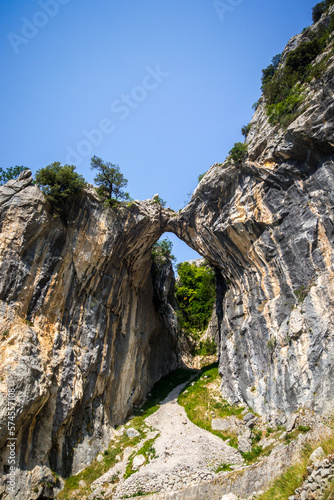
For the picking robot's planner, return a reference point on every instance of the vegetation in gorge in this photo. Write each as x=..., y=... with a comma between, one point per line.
x=195, y=293
x=10, y=173
x=162, y=250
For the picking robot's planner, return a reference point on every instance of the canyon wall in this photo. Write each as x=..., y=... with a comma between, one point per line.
x=85, y=329
x=266, y=224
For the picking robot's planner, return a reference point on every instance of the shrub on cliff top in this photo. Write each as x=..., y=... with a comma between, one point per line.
x=320, y=8
x=282, y=85
x=58, y=182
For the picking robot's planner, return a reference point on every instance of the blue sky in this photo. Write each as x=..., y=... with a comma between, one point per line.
x=159, y=88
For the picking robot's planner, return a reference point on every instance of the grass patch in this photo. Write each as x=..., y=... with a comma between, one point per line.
x=285, y=485
x=129, y=470
x=96, y=469
x=329, y=493
x=223, y=468
x=200, y=402
x=147, y=450
x=252, y=456
x=139, y=493
x=304, y=429
x=5, y=334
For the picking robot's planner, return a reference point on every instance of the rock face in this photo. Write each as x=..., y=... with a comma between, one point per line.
x=267, y=226
x=82, y=326
x=86, y=328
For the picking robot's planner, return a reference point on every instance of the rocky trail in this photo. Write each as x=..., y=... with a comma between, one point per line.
x=184, y=454
x=167, y=456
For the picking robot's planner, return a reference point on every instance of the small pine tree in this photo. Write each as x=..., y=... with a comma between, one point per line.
x=246, y=129
x=110, y=180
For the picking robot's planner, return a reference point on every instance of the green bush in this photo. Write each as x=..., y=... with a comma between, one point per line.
x=300, y=58
x=284, y=111
x=320, y=8
x=159, y=201
x=162, y=250
x=238, y=152
x=256, y=105
x=59, y=183
x=282, y=86
x=206, y=347
x=10, y=173
x=270, y=70
x=246, y=129
x=195, y=293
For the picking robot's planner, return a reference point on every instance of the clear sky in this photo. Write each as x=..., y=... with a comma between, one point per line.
x=160, y=88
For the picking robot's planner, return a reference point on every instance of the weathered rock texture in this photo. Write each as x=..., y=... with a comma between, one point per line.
x=85, y=329
x=247, y=483
x=85, y=333
x=267, y=226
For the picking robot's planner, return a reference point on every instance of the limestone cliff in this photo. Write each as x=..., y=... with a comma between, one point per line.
x=267, y=225
x=86, y=330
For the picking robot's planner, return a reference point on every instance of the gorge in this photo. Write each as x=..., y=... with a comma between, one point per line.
x=86, y=331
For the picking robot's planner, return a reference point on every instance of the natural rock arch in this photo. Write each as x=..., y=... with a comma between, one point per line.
x=97, y=343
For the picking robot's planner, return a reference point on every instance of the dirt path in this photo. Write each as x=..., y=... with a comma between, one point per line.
x=185, y=454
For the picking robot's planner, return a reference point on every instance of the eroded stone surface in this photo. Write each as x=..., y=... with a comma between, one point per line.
x=86, y=330
x=85, y=327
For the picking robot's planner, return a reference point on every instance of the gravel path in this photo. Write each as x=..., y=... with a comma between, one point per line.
x=185, y=454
